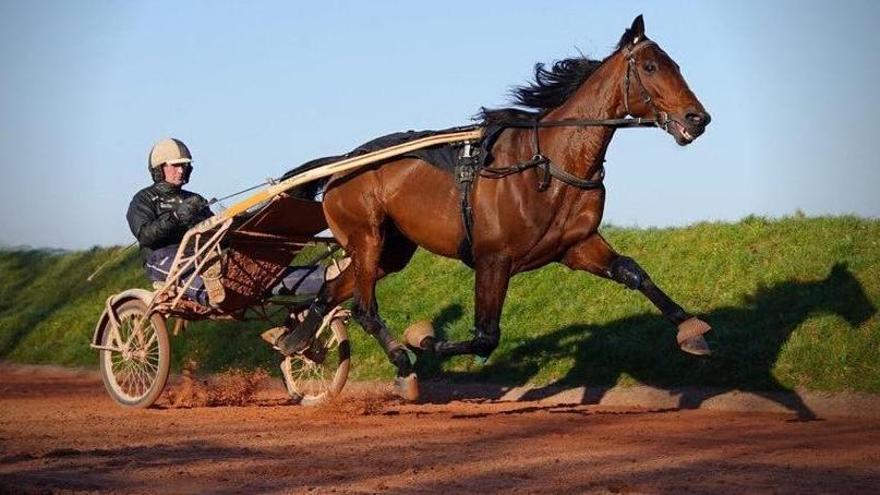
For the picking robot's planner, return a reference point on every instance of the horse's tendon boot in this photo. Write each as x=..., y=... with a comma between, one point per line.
x=297, y=339
x=624, y=270
x=484, y=343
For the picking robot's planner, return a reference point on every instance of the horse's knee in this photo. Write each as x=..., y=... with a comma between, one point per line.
x=484, y=342
x=624, y=270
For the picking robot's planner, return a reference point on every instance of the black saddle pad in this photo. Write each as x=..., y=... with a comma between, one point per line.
x=443, y=156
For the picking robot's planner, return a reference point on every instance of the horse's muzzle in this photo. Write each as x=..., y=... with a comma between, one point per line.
x=692, y=126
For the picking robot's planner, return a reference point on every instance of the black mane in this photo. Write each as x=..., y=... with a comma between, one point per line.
x=549, y=90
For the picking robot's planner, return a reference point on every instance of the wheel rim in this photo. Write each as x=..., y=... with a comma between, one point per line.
x=134, y=370
x=313, y=377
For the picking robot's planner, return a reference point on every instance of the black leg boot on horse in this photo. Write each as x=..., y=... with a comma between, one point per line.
x=405, y=383
x=376, y=251
x=596, y=256
x=295, y=336
x=299, y=334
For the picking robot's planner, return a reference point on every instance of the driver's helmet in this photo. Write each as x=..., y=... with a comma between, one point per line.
x=171, y=151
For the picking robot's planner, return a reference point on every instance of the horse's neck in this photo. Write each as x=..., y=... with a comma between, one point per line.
x=581, y=150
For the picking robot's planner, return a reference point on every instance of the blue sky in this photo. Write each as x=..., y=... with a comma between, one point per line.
x=255, y=88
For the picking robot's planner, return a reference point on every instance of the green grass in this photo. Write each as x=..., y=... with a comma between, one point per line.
x=793, y=303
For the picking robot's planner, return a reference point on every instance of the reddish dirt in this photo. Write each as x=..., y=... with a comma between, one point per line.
x=60, y=432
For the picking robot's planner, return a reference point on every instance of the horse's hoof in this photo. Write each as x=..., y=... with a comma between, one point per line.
x=407, y=387
x=690, y=336
x=696, y=346
x=416, y=334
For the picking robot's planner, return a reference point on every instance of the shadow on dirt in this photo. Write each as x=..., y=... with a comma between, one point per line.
x=746, y=340
x=342, y=462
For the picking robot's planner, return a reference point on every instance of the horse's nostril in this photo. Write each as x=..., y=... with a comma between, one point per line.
x=698, y=119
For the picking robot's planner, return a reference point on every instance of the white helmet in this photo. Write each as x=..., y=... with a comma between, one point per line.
x=172, y=152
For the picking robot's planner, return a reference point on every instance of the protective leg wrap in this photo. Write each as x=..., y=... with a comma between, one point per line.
x=626, y=271
x=484, y=343
x=400, y=359
x=299, y=335
x=395, y=351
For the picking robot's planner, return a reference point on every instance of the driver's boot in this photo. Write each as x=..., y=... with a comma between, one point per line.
x=298, y=334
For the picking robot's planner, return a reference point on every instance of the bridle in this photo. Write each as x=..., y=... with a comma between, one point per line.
x=661, y=119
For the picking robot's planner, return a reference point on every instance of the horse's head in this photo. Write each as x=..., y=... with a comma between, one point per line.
x=653, y=87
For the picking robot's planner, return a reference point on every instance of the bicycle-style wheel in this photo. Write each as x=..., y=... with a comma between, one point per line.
x=319, y=373
x=135, y=361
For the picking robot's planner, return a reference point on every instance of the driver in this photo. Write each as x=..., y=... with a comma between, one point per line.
x=160, y=215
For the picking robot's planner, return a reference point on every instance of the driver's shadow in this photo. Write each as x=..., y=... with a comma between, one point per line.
x=746, y=344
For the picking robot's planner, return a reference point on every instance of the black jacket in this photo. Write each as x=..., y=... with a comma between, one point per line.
x=151, y=220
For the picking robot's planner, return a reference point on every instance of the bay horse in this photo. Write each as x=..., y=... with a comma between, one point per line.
x=380, y=214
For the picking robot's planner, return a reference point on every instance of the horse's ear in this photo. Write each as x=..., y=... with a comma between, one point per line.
x=634, y=34
x=637, y=30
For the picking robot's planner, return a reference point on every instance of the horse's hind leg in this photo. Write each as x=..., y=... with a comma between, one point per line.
x=371, y=260
x=596, y=256
x=394, y=258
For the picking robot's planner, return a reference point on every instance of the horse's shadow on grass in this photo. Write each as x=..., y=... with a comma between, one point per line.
x=746, y=340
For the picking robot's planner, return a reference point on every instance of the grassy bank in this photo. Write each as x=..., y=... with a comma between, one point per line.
x=793, y=303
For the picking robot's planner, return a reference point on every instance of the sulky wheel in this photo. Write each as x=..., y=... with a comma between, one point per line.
x=319, y=373
x=135, y=362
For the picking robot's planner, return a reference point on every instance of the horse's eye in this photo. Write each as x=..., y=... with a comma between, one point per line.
x=650, y=67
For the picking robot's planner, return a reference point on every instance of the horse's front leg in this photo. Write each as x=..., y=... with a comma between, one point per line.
x=597, y=257
x=490, y=289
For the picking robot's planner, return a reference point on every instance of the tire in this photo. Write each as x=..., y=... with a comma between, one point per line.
x=135, y=377
x=318, y=374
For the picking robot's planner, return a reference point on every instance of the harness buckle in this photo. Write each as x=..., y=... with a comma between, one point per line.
x=466, y=151
x=465, y=173
x=543, y=164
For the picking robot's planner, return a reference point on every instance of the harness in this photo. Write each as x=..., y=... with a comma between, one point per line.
x=468, y=168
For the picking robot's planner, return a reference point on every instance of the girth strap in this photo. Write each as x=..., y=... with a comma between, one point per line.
x=465, y=175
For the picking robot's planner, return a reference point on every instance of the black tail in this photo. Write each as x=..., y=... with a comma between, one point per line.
x=312, y=189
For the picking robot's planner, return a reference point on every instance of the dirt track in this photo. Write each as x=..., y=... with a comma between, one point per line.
x=59, y=432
